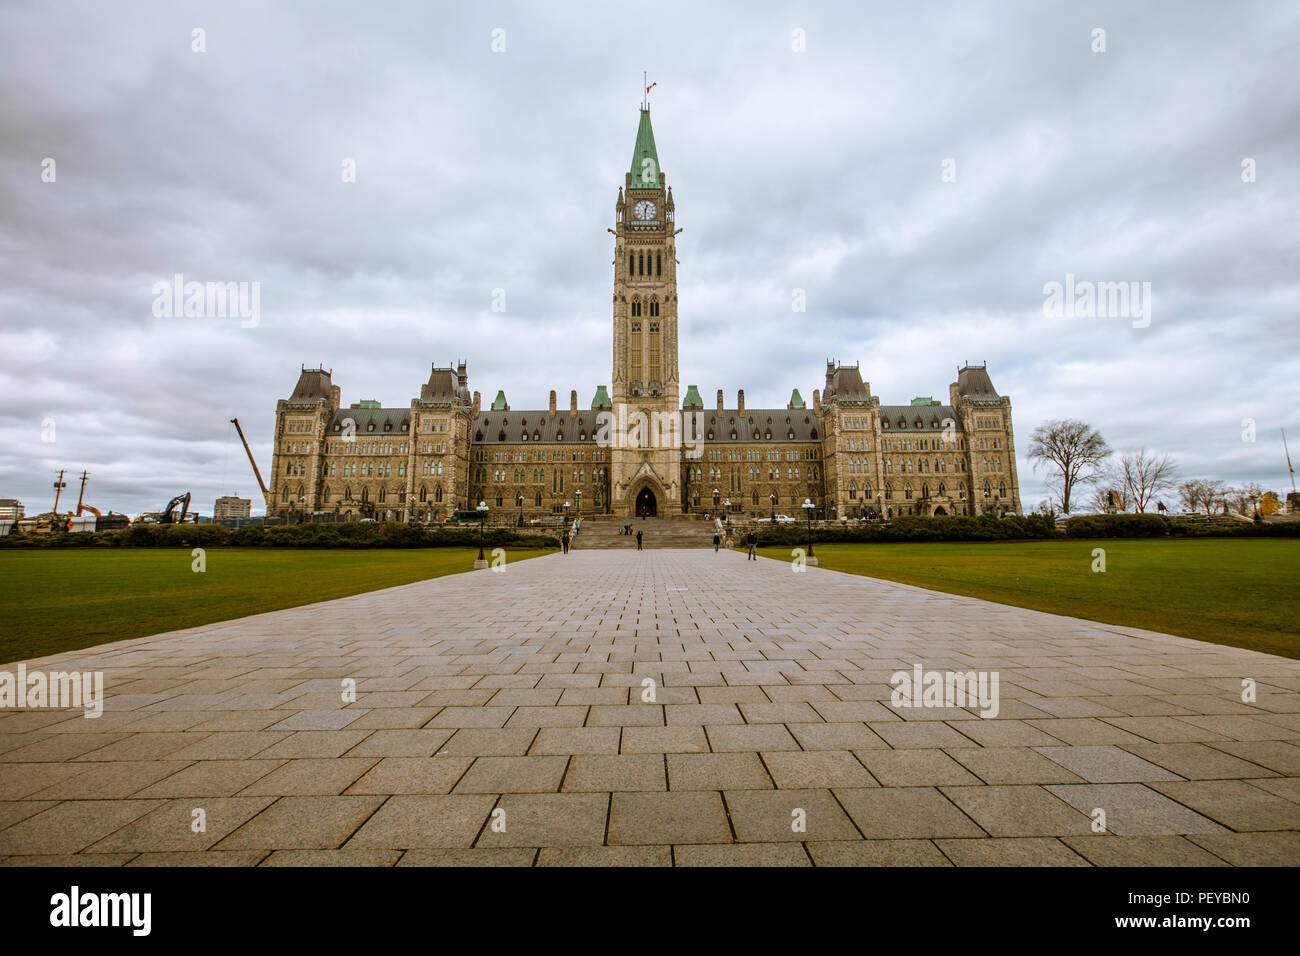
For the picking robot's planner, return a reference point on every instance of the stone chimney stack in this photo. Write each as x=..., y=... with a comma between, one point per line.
x=740, y=402
x=552, y=401
x=573, y=402
x=719, y=403
x=817, y=399
x=478, y=403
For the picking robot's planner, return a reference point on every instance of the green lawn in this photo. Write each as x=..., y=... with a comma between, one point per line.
x=1238, y=592
x=52, y=601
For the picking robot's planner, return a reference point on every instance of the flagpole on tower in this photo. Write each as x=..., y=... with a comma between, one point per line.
x=645, y=94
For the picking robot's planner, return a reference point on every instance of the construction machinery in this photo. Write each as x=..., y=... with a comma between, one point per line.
x=266, y=495
x=168, y=515
x=82, y=507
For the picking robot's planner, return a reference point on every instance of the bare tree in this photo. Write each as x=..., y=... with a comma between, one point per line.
x=1200, y=493
x=1144, y=476
x=1074, y=450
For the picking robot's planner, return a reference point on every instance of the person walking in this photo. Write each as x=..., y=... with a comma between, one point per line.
x=716, y=542
x=638, y=540
x=752, y=541
x=564, y=540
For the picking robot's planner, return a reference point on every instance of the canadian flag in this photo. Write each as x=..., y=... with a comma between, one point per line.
x=651, y=87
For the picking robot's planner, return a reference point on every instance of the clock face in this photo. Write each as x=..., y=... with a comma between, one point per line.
x=645, y=210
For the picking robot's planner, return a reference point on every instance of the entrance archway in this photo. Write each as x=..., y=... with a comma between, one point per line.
x=646, y=505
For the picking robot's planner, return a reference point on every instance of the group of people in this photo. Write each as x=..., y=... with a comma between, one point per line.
x=570, y=532
x=724, y=537
x=720, y=537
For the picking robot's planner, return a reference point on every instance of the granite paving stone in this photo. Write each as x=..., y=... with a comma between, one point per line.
x=768, y=688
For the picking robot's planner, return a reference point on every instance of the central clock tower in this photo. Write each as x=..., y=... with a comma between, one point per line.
x=645, y=470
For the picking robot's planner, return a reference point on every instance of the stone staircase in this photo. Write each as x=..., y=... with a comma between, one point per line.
x=602, y=532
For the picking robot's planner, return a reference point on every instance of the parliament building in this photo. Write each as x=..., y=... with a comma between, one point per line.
x=641, y=447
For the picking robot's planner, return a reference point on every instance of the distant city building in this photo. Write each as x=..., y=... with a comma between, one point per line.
x=11, y=509
x=642, y=447
x=232, y=507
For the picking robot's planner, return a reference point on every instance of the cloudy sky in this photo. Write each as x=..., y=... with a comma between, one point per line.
x=477, y=169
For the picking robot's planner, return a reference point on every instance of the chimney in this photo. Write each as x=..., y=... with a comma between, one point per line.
x=740, y=402
x=817, y=399
x=462, y=375
x=719, y=403
x=552, y=406
x=573, y=402
x=478, y=400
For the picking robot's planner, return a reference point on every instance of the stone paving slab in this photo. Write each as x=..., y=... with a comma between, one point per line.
x=651, y=709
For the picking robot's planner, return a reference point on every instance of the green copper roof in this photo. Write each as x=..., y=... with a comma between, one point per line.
x=692, y=399
x=499, y=403
x=796, y=400
x=645, y=159
x=369, y=403
x=602, y=398
x=923, y=400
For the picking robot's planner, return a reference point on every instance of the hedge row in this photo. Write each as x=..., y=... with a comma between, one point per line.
x=951, y=528
x=1157, y=526
x=1028, y=528
x=342, y=535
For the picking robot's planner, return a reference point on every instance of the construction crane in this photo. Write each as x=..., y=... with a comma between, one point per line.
x=266, y=495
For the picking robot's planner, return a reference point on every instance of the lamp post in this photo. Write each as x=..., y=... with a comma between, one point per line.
x=577, y=497
x=773, y=497
x=302, y=509
x=880, y=506
x=808, y=507
x=519, y=500
x=482, y=509
x=727, y=505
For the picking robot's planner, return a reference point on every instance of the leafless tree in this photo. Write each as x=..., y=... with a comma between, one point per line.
x=1201, y=493
x=1073, y=450
x=1144, y=476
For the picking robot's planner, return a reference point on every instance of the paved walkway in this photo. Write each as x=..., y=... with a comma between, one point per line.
x=499, y=719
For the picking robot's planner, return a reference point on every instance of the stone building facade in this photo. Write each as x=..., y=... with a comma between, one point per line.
x=639, y=446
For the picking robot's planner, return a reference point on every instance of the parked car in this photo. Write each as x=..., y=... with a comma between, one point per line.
x=780, y=519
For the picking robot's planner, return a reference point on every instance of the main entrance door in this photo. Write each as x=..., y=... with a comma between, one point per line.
x=646, y=506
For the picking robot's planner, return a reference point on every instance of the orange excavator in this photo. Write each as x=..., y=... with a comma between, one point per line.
x=82, y=507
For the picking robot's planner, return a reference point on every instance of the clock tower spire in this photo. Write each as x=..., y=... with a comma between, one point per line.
x=645, y=378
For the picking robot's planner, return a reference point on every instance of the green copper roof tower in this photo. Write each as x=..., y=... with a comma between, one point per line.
x=645, y=159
